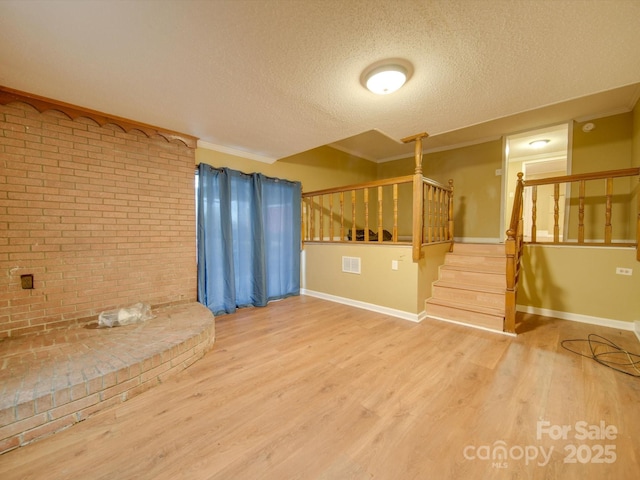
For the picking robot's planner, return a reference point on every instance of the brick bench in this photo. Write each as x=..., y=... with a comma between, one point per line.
x=50, y=381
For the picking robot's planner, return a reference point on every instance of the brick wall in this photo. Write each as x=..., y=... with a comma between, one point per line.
x=102, y=218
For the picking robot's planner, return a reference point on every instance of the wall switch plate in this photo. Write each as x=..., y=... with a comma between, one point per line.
x=498, y=172
x=624, y=271
x=394, y=264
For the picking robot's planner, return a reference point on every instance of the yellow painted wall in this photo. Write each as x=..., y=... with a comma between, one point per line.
x=316, y=169
x=581, y=280
x=608, y=146
x=404, y=289
x=377, y=284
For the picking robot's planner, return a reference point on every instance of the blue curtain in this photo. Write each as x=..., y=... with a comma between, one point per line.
x=248, y=239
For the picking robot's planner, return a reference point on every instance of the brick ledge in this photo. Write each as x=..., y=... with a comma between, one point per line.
x=54, y=380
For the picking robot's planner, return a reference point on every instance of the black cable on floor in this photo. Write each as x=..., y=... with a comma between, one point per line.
x=619, y=357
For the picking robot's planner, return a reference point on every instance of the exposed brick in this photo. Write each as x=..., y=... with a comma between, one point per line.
x=9, y=443
x=120, y=388
x=18, y=427
x=81, y=188
x=48, y=428
x=75, y=406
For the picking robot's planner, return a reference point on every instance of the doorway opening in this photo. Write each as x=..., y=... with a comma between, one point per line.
x=539, y=153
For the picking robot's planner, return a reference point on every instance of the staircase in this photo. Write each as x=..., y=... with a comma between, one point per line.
x=471, y=286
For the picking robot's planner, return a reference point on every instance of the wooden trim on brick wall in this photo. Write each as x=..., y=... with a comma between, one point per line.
x=42, y=104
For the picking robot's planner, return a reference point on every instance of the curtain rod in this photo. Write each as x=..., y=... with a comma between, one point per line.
x=219, y=169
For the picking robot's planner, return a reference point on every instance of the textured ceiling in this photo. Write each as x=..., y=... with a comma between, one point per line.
x=277, y=77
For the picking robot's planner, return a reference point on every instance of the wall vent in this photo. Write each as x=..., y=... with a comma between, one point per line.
x=351, y=264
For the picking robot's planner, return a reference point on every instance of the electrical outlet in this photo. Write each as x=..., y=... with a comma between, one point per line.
x=624, y=271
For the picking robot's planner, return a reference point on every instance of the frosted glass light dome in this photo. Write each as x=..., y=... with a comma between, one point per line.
x=386, y=79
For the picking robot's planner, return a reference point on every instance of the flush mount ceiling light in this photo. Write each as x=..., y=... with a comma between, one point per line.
x=538, y=143
x=386, y=77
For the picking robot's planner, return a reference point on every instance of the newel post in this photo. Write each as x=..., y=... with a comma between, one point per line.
x=512, y=250
x=418, y=199
x=510, y=294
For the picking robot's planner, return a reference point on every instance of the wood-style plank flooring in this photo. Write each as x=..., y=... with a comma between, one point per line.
x=309, y=389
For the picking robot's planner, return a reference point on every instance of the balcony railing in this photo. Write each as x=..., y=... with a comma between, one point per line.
x=411, y=210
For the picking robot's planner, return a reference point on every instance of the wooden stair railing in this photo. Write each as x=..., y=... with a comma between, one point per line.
x=431, y=205
x=345, y=220
x=582, y=179
x=516, y=236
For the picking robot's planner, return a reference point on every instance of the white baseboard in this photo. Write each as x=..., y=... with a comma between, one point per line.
x=413, y=317
x=471, y=325
x=419, y=317
x=576, y=317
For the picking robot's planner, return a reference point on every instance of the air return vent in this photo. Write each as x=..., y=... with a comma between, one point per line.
x=351, y=264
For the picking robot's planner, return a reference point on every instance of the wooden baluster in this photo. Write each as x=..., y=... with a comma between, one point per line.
x=395, y=212
x=534, y=212
x=366, y=214
x=353, y=215
x=438, y=213
x=441, y=216
x=380, y=229
x=556, y=212
x=607, y=225
x=438, y=218
x=450, y=211
x=581, y=212
x=426, y=221
x=321, y=219
x=312, y=219
x=303, y=221
x=430, y=215
x=341, y=216
x=435, y=214
x=331, y=217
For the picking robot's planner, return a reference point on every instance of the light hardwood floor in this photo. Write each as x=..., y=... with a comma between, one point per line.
x=309, y=389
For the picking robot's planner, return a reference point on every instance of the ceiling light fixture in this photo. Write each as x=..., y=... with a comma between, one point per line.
x=386, y=76
x=385, y=80
x=538, y=143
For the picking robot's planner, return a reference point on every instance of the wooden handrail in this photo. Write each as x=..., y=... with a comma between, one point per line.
x=360, y=186
x=517, y=207
x=625, y=172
